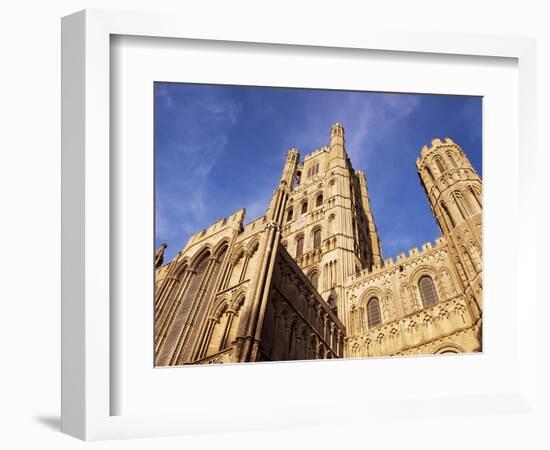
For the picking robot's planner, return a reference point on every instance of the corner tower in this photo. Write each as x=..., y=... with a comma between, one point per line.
x=454, y=190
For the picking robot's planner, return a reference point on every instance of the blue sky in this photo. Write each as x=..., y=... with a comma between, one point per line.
x=221, y=148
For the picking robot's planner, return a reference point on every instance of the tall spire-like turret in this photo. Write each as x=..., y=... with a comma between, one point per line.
x=288, y=177
x=454, y=191
x=337, y=145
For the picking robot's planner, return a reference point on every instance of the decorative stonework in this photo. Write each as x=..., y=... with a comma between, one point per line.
x=234, y=293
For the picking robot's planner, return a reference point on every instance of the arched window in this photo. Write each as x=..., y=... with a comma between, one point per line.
x=314, y=278
x=452, y=160
x=216, y=335
x=300, y=246
x=250, y=263
x=474, y=195
x=317, y=238
x=304, y=207
x=439, y=165
x=430, y=175
x=373, y=312
x=427, y=291
x=463, y=206
x=237, y=269
x=289, y=215
x=313, y=170
x=447, y=213
x=319, y=200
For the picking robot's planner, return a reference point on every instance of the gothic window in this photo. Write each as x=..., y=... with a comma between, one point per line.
x=466, y=203
x=474, y=196
x=319, y=200
x=196, y=280
x=233, y=324
x=447, y=214
x=429, y=173
x=249, y=265
x=300, y=246
x=461, y=203
x=373, y=312
x=439, y=165
x=215, y=340
x=237, y=270
x=452, y=160
x=314, y=278
x=427, y=291
x=304, y=208
x=289, y=215
x=317, y=238
x=313, y=170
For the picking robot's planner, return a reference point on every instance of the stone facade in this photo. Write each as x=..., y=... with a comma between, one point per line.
x=307, y=280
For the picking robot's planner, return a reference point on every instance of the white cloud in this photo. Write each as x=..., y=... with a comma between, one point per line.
x=194, y=134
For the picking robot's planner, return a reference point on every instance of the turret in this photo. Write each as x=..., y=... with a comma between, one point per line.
x=337, y=146
x=288, y=178
x=454, y=191
x=374, y=241
x=451, y=183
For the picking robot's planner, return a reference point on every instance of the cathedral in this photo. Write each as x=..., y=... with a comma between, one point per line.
x=308, y=279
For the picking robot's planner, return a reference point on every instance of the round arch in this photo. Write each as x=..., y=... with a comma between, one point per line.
x=313, y=275
x=204, y=252
x=424, y=270
x=181, y=267
x=448, y=348
x=253, y=245
x=373, y=291
x=219, y=247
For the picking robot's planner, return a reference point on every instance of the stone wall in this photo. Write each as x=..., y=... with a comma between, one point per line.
x=408, y=325
x=298, y=323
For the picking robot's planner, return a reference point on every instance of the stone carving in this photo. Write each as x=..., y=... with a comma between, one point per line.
x=285, y=316
x=159, y=255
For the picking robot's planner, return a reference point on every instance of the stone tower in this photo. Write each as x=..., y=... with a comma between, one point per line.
x=454, y=190
x=328, y=227
x=307, y=280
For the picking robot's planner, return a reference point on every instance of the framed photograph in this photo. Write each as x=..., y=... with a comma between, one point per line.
x=292, y=228
x=320, y=286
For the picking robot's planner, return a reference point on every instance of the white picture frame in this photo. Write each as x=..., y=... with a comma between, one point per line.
x=86, y=220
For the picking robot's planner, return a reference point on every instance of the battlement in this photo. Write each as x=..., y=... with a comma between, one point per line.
x=254, y=226
x=401, y=258
x=235, y=220
x=436, y=142
x=323, y=149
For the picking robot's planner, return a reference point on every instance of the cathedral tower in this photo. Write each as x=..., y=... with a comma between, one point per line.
x=328, y=226
x=454, y=191
x=307, y=279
